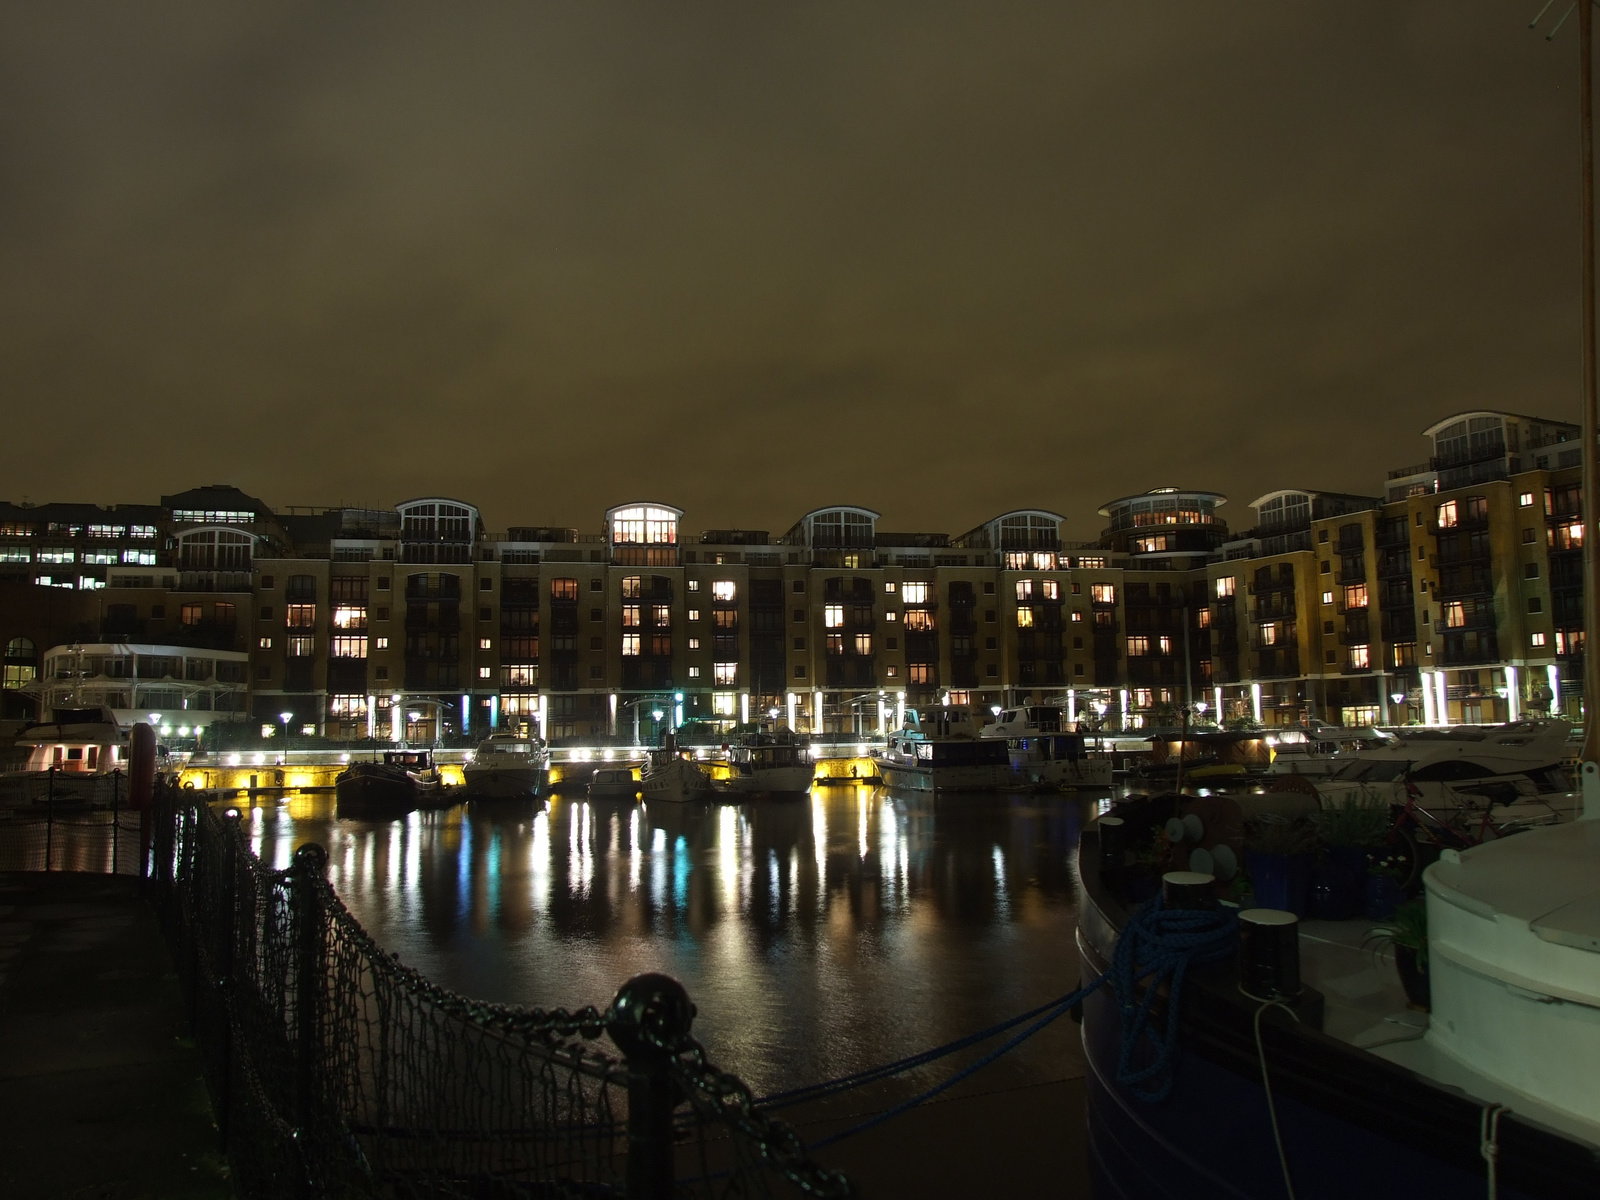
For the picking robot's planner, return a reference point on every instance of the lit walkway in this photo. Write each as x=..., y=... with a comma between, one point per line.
x=100, y=1091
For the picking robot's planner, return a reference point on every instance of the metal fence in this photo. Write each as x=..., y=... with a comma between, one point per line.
x=55, y=821
x=336, y=1071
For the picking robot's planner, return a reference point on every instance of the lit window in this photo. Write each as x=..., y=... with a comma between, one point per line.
x=140, y=558
x=264, y=643
x=1044, y=560
x=644, y=526
x=348, y=646
x=1455, y=614
x=833, y=616
x=189, y=614
x=142, y=531
x=836, y=643
x=630, y=645
x=1024, y=589
x=1150, y=545
x=1355, y=595
x=1525, y=500
x=1359, y=658
x=1138, y=646
x=1024, y=618
x=1050, y=589
x=889, y=615
x=694, y=585
x=694, y=643
x=1016, y=560
x=694, y=614
x=1143, y=697
x=302, y=647
x=1225, y=585
x=663, y=614
x=724, y=673
x=563, y=589
x=1448, y=517
x=863, y=643
x=350, y=616
x=1077, y=615
x=485, y=643
x=914, y=593
x=1269, y=635
x=380, y=643
x=722, y=704
x=1104, y=593
x=694, y=672
x=919, y=620
x=1202, y=618
x=1164, y=644
x=300, y=616
x=1327, y=597
x=55, y=554
x=723, y=590
x=891, y=671
x=920, y=672
x=630, y=587
x=1536, y=639
x=485, y=672
x=889, y=586
x=96, y=557
x=631, y=616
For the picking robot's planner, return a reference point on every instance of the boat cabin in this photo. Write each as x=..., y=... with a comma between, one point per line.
x=409, y=760
x=81, y=741
x=942, y=721
x=1025, y=721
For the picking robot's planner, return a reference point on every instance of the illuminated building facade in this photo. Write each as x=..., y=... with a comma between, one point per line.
x=1455, y=595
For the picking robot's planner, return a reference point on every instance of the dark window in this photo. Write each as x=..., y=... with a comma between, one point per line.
x=596, y=615
x=485, y=613
x=486, y=585
x=158, y=612
x=988, y=615
x=799, y=643
x=596, y=585
x=890, y=643
x=800, y=671
x=800, y=614
x=266, y=612
x=988, y=644
x=988, y=589
x=267, y=581
x=1322, y=535
x=1535, y=604
x=596, y=643
x=799, y=585
x=1530, y=571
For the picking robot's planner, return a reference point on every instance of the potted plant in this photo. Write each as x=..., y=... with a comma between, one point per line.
x=1384, y=891
x=1407, y=935
x=1349, y=833
x=1278, y=855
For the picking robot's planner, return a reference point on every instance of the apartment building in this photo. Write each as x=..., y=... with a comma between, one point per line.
x=1455, y=595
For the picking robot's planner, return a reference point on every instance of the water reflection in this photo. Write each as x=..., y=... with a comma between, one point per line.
x=816, y=937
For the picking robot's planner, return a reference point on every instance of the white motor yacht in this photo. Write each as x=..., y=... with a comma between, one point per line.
x=1311, y=751
x=768, y=764
x=613, y=783
x=1517, y=767
x=667, y=775
x=1044, y=753
x=939, y=750
x=75, y=755
x=506, y=766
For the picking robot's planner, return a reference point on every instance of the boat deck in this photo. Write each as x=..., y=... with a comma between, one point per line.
x=1366, y=1007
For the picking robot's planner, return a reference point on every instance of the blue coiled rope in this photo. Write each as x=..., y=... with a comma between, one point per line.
x=1157, y=947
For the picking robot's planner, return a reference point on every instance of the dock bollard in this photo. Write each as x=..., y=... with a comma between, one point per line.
x=1188, y=889
x=1113, y=844
x=1269, y=954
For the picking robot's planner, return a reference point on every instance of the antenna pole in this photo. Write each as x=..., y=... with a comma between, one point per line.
x=1591, y=428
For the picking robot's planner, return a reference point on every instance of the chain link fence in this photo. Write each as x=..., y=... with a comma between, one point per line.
x=56, y=821
x=337, y=1071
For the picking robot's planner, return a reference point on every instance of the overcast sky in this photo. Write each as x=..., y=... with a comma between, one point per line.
x=940, y=259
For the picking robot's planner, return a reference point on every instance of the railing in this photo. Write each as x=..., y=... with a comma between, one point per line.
x=336, y=1071
x=66, y=821
x=1405, y=472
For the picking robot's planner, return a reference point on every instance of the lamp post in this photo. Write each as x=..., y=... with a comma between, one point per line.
x=1399, y=698
x=411, y=730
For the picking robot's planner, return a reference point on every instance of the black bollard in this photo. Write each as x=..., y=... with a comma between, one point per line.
x=1113, y=844
x=1188, y=889
x=649, y=1022
x=1269, y=954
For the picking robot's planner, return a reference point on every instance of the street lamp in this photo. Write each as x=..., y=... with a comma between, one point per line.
x=1399, y=698
x=415, y=716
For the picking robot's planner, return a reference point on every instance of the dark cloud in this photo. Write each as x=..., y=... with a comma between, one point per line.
x=938, y=258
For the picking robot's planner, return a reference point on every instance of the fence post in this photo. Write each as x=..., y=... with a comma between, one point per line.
x=308, y=942
x=225, y=957
x=649, y=1022
x=49, y=819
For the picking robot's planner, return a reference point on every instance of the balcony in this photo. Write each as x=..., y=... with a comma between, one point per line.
x=1355, y=572
x=1458, y=583
x=1407, y=472
x=214, y=581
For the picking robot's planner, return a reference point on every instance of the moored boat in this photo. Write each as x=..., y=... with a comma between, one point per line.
x=506, y=767
x=768, y=764
x=1043, y=753
x=939, y=749
x=668, y=775
x=613, y=783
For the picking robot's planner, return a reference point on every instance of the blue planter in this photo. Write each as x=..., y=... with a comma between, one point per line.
x=1281, y=881
x=1335, y=890
x=1381, y=895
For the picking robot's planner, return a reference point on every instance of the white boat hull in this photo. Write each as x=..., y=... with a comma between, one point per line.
x=677, y=784
x=1085, y=773
x=768, y=781
x=987, y=777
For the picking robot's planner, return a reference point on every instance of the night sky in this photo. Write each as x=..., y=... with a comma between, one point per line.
x=940, y=259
